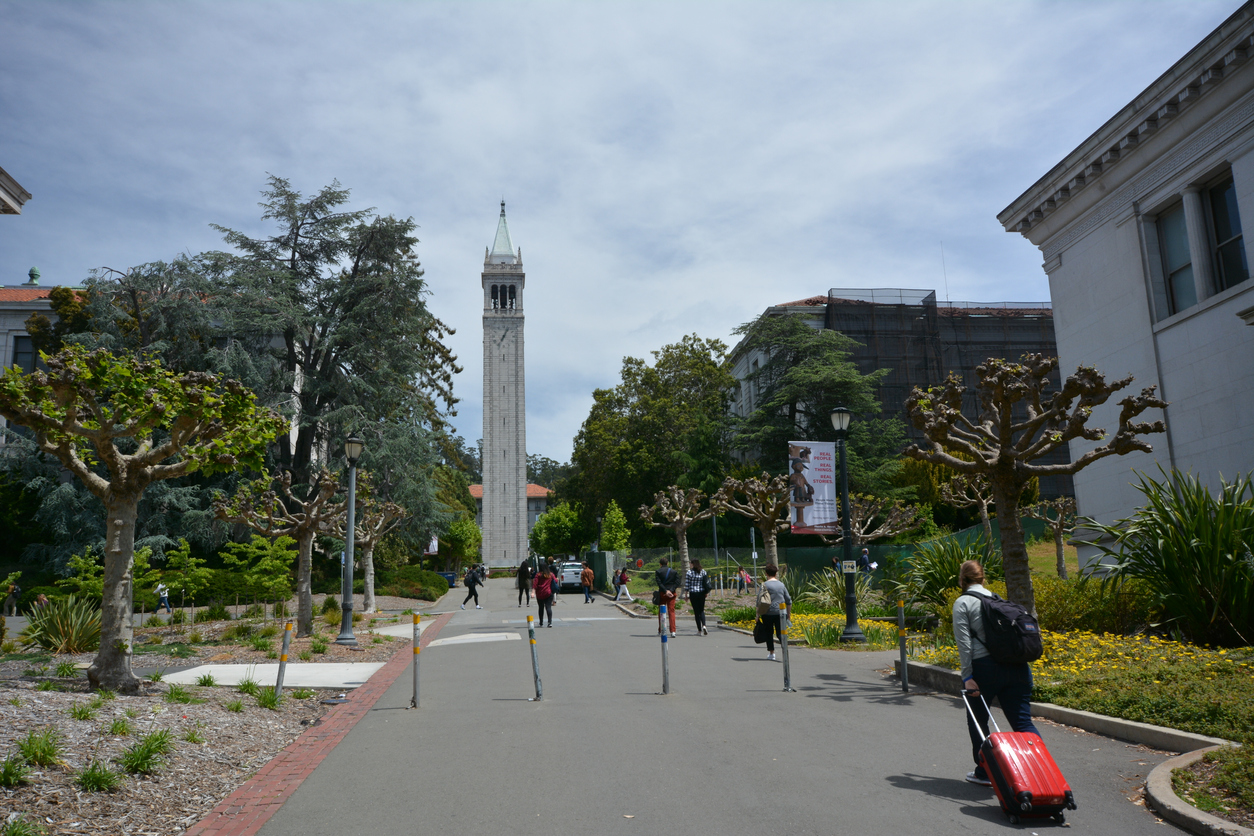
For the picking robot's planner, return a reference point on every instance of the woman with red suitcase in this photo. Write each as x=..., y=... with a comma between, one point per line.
x=1010, y=684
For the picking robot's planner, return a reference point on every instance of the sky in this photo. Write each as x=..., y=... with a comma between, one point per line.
x=669, y=168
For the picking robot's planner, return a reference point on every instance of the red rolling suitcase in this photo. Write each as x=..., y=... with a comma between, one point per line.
x=1027, y=781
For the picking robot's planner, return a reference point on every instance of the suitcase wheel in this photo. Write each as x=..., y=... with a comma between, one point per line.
x=1060, y=817
x=1013, y=818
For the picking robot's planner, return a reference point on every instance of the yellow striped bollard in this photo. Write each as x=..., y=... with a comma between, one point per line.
x=287, y=643
x=535, y=660
x=413, y=702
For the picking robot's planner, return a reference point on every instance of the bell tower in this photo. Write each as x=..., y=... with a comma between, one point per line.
x=504, y=404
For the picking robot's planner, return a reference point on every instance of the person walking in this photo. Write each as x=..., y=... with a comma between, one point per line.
x=697, y=585
x=774, y=589
x=544, y=584
x=1010, y=684
x=524, y=583
x=41, y=602
x=586, y=579
x=10, y=599
x=472, y=583
x=622, y=586
x=668, y=592
x=163, y=596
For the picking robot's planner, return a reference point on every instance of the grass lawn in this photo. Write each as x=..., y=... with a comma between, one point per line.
x=1043, y=559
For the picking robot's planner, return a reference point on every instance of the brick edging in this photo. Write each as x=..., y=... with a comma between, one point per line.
x=243, y=812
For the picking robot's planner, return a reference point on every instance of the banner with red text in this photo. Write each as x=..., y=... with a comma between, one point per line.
x=812, y=487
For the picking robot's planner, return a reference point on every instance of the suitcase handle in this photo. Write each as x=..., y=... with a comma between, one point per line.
x=967, y=701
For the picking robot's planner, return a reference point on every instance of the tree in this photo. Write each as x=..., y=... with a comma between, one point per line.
x=971, y=491
x=186, y=574
x=1059, y=516
x=872, y=518
x=376, y=519
x=461, y=543
x=265, y=564
x=640, y=436
x=70, y=308
x=615, y=535
x=299, y=514
x=678, y=509
x=764, y=500
x=559, y=531
x=1004, y=447
x=342, y=295
x=805, y=372
x=118, y=424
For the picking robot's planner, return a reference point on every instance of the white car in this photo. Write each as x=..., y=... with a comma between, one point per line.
x=568, y=575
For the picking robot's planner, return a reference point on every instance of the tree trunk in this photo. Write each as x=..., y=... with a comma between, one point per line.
x=304, y=593
x=1014, y=553
x=367, y=574
x=112, y=666
x=1060, y=551
x=986, y=522
x=768, y=542
x=681, y=536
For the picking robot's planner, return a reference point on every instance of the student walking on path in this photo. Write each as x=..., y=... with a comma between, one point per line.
x=622, y=586
x=544, y=584
x=163, y=597
x=1010, y=684
x=667, y=587
x=697, y=585
x=774, y=590
x=586, y=579
x=524, y=583
x=472, y=584
x=10, y=600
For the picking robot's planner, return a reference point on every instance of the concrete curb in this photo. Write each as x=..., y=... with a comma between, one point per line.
x=1161, y=796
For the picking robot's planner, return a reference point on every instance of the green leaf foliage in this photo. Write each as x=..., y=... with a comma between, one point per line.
x=559, y=531
x=67, y=625
x=615, y=535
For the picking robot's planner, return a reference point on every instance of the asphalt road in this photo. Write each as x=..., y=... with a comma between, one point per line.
x=727, y=752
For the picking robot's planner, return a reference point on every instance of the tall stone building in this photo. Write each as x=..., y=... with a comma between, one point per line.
x=504, y=404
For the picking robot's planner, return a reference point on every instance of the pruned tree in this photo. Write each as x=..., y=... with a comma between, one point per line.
x=375, y=519
x=875, y=518
x=1059, y=516
x=284, y=512
x=1005, y=448
x=971, y=490
x=764, y=500
x=678, y=509
x=119, y=424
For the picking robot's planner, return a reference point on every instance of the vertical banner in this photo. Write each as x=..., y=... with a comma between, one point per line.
x=812, y=487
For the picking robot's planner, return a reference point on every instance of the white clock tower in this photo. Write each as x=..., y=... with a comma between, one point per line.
x=504, y=404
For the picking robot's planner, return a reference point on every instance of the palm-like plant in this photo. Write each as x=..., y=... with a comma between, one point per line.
x=935, y=564
x=1192, y=548
x=67, y=625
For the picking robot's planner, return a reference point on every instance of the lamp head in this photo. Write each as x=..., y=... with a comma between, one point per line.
x=352, y=449
x=840, y=420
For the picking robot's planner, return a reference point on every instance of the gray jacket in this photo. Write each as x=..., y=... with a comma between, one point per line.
x=969, y=620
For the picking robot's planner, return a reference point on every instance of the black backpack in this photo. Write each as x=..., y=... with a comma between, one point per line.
x=1011, y=634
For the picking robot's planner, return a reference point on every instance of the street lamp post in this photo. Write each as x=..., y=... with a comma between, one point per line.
x=851, y=633
x=352, y=451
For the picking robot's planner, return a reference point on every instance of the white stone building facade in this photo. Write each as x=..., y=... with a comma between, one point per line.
x=504, y=515
x=1140, y=228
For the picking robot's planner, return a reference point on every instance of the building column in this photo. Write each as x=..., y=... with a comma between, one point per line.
x=1199, y=242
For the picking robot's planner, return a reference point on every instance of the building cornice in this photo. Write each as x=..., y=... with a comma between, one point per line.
x=12, y=195
x=1209, y=65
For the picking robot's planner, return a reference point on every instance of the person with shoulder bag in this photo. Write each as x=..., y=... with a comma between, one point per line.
x=1010, y=683
x=697, y=585
x=622, y=586
x=544, y=584
x=771, y=594
x=667, y=593
x=524, y=583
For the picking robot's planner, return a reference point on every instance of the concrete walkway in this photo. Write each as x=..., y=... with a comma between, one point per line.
x=727, y=752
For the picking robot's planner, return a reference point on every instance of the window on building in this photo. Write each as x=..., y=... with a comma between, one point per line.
x=1229, y=249
x=24, y=353
x=1173, y=237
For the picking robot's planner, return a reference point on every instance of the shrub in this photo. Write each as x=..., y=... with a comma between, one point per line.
x=98, y=778
x=120, y=727
x=317, y=646
x=1085, y=603
x=412, y=582
x=48, y=685
x=206, y=681
x=14, y=771
x=304, y=655
x=248, y=685
x=1192, y=549
x=66, y=625
x=269, y=698
x=179, y=694
x=826, y=592
x=332, y=619
x=82, y=711
x=145, y=756
x=254, y=611
x=177, y=617
x=261, y=644
x=41, y=748
x=734, y=614
x=330, y=605
x=935, y=564
x=156, y=676
x=8, y=646
x=66, y=669
x=234, y=706
x=193, y=735
x=280, y=609
x=216, y=611
x=21, y=826
x=154, y=621
x=269, y=630
x=302, y=694
x=239, y=630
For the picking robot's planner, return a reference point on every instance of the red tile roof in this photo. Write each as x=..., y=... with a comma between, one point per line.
x=24, y=294
x=813, y=301
x=533, y=491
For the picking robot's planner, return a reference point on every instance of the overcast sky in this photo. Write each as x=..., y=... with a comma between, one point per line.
x=669, y=168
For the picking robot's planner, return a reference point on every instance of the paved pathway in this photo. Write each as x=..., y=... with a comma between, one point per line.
x=728, y=752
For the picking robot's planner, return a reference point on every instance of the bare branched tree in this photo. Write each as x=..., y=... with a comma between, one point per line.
x=872, y=518
x=1006, y=448
x=1059, y=515
x=375, y=520
x=764, y=500
x=678, y=509
x=971, y=491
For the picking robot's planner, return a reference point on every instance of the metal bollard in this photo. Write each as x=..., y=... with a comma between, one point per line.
x=287, y=642
x=783, y=646
x=901, y=641
x=535, y=660
x=413, y=701
x=666, y=661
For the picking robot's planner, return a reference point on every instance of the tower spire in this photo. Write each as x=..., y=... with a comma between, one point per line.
x=502, y=247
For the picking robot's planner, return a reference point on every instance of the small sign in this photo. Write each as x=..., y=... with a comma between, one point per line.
x=848, y=567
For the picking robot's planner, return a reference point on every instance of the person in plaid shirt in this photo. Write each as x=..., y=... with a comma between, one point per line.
x=697, y=585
